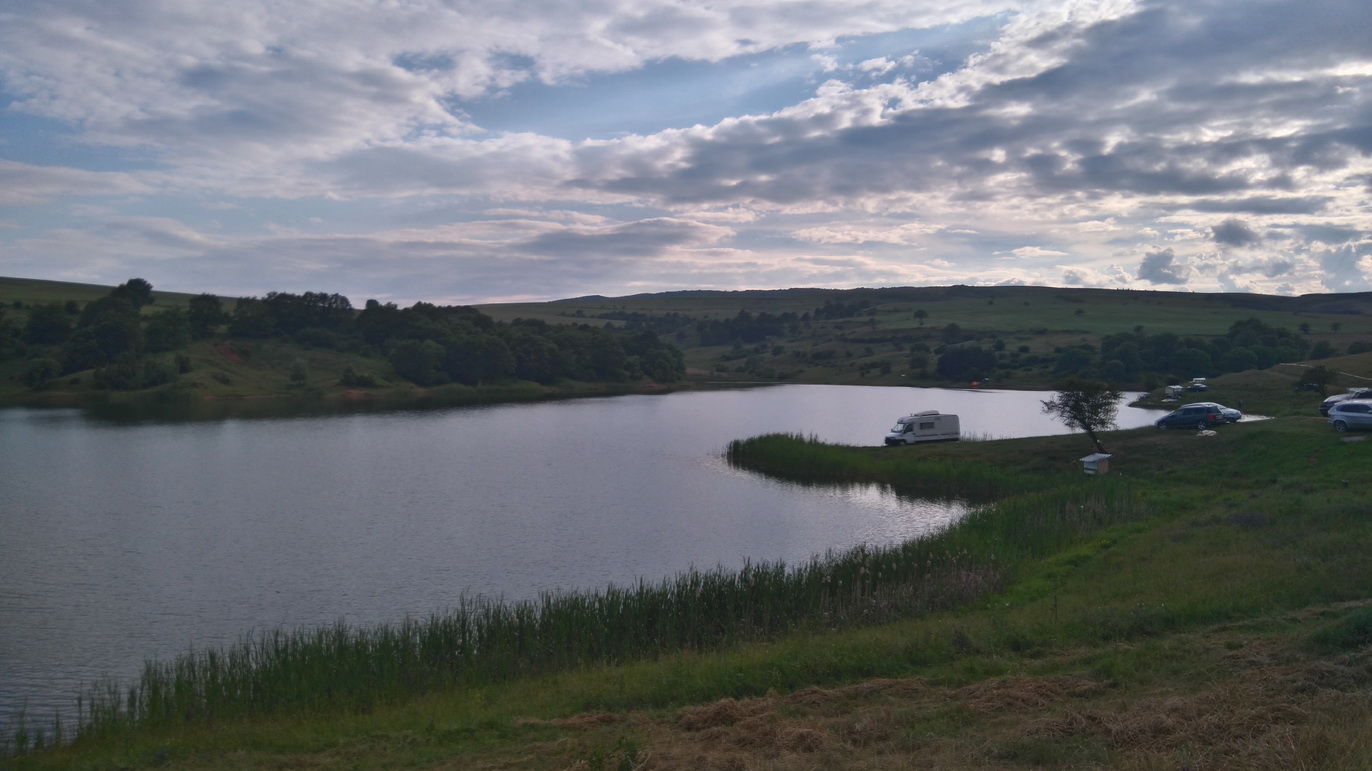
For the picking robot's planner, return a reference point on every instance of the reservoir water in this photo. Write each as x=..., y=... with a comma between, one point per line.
x=122, y=540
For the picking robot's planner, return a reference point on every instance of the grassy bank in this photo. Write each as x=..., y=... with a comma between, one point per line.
x=1205, y=605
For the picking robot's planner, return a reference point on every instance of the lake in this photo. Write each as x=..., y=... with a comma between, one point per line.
x=124, y=539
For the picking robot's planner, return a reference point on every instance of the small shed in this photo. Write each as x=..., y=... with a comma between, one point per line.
x=1096, y=463
x=1173, y=393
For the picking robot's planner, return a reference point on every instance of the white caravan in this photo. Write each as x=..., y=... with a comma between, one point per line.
x=927, y=426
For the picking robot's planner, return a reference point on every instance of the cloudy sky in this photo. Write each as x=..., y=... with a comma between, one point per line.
x=464, y=151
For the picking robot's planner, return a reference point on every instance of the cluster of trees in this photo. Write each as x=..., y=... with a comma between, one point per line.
x=746, y=328
x=1137, y=357
x=966, y=362
x=429, y=344
x=425, y=343
x=833, y=309
x=1249, y=344
x=109, y=336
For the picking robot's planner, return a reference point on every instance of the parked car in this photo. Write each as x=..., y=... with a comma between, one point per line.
x=1355, y=393
x=1230, y=414
x=1197, y=384
x=1205, y=415
x=1351, y=415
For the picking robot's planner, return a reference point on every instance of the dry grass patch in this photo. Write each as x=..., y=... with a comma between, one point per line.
x=1259, y=700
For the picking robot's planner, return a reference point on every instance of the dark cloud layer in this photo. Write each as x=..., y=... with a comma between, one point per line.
x=1234, y=232
x=1162, y=267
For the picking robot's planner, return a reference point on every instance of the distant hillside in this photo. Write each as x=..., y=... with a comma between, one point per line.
x=1017, y=336
x=1008, y=336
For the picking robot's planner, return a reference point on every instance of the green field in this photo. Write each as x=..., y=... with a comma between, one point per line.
x=27, y=291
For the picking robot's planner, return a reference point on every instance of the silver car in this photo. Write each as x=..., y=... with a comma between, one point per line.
x=1353, y=393
x=1230, y=414
x=1351, y=415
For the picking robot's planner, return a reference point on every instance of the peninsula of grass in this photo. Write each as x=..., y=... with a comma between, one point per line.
x=1221, y=581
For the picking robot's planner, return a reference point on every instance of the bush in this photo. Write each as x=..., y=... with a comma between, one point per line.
x=300, y=371
x=352, y=379
x=122, y=375
x=317, y=337
x=156, y=372
x=40, y=371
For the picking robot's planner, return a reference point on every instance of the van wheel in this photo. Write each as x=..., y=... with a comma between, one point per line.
x=1201, y=426
x=1340, y=426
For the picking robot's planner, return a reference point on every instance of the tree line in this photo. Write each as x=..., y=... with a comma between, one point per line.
x=1138, y=357
x=427, y=344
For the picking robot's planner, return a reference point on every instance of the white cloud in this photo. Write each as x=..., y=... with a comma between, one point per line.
x=26, y=184
x=864, y=233
x=1035, y=251
x=1098, y=128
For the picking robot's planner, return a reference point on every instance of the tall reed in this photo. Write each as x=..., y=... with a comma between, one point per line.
x=480, y=640
x=807, y=459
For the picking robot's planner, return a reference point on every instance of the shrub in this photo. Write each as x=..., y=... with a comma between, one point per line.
x=40, y=371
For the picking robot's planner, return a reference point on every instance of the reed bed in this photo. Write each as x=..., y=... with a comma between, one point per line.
x=482, y=641
x=808, y=459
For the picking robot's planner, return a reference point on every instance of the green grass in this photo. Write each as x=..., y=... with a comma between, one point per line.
x=27, y=292
x=938, y=473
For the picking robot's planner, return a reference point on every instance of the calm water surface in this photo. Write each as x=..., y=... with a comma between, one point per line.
x=120, y=541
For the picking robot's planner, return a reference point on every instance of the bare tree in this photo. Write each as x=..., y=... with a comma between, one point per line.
x=1088, y=405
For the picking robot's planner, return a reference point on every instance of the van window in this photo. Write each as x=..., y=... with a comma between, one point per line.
x=923, y=426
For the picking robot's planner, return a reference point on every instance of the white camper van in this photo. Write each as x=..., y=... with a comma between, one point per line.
x=927, y=426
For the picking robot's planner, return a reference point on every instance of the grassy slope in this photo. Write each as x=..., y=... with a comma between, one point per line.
x=234, y=369
x=871, y=349
x=1038, y=318
x=35, y=291
x=1232, y=629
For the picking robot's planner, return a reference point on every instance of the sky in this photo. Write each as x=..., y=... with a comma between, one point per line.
x=476, y=151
